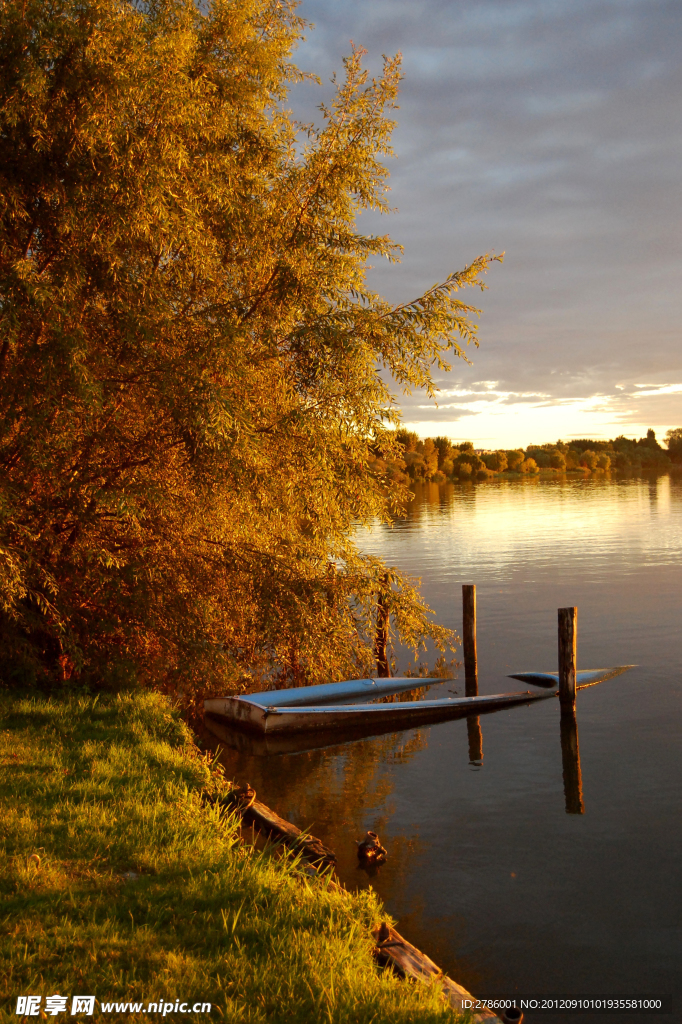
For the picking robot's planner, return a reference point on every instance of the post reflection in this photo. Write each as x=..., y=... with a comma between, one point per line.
x=473, y=721
x=570, y=757
x=475, y=741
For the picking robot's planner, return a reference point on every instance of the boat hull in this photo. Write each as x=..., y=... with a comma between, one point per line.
x=354, y=691
x=243, y=713
x=586, y=677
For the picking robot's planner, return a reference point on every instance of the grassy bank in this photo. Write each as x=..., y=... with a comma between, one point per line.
x=118, y=882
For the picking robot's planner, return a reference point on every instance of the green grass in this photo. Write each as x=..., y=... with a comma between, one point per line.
x=99, y=788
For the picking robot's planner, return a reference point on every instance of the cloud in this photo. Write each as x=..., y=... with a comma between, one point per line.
x=512, y=419
x=662, y=389
x=542, y=128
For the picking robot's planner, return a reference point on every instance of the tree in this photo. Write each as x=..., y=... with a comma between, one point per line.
x=497, y=461
x=650, y=441
x=189, y=386
x=430, y=454
x=540, y=455
x=408, y=439
x=674, y=441
x=514, y=460
x=468, y=463
x=444, y=448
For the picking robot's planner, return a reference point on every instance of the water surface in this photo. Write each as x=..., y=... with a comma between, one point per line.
x=487, y=872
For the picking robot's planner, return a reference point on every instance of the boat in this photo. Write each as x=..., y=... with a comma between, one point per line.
x=346, y=706
x=587, y=677
x=259, y=744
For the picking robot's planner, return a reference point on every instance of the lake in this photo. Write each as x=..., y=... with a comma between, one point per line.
x=487, y=873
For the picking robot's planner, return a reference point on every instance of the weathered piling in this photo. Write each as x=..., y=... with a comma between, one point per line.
x=570, y=759
x=568, y=641
x=381, y=639
x=469, y=639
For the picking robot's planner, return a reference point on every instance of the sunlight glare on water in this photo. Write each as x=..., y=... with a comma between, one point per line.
x=498, y=530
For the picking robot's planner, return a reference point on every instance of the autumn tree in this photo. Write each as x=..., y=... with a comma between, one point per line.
x=497, y=461
x=407, y=439
x=444, y=448
x=190, y=388
x=589, y=459
x=514, y=460
x=673, y=439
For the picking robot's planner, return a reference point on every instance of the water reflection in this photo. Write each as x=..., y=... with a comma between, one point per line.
x=498, y=528
x=336, y=793
x=475, y=741
x=467, y=872
x=570, y=759
x=607, y=912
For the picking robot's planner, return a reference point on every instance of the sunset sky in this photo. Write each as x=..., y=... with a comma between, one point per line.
x=548, y=129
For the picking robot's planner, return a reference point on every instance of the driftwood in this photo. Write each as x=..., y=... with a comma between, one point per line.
x=395, y=951
x=267, y=821
x=253, y=812
x=391, y=948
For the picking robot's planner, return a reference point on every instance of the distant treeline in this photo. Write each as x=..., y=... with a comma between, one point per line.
x=437, y=459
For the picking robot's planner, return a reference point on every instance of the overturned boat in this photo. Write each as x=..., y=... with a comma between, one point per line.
x=346, y=706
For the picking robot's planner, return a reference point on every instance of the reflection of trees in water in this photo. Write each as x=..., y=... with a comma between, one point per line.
x=358, y=798
x=338, y=794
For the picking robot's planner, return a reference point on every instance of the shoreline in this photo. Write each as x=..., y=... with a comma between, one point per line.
x=490, y=476
x=392, y=949
x=123, y=883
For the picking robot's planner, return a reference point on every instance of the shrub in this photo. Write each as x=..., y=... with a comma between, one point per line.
x=515, y=460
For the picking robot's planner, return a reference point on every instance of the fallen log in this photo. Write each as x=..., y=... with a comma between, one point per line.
x=312, y=849
x=395, y=951
x=391, y=948
x=243, y=801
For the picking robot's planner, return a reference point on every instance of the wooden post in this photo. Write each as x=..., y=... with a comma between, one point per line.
x=469, y=640
x=568, y=642
x=381, y=640
x=570, y=759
